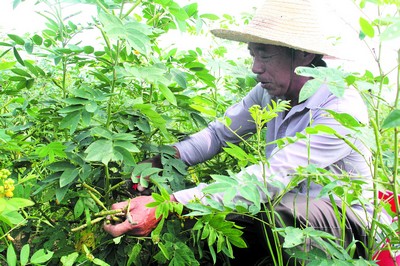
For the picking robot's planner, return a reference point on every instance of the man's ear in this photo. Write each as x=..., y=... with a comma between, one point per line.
x=304, y=58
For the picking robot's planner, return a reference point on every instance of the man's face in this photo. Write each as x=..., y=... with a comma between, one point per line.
x=274, y=68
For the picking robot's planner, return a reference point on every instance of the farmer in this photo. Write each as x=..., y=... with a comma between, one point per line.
x=283, y=35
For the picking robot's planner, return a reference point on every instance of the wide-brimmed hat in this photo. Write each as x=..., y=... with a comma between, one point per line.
x=289, y=23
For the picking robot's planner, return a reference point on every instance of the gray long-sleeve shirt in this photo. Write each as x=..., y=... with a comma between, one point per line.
x=323, y=150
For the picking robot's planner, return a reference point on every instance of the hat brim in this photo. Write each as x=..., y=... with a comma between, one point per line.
x=246, y=36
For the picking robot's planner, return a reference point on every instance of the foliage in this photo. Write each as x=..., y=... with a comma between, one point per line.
x=77, y=118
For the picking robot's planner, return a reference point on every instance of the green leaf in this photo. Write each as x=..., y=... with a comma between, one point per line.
x=391, y=32
x=88, y=49
x=68, y=176
x=31, y=68
x=60, y=166
x=167, y=93
x=11, y=256
x=61, y=192
x=29, y=47
x=325, y=129
x=12, y=218
x=18, y=40
x=79, y=208
x=6, y=65
x=38, y=40
x=126, y=145
x=155, y=118
x=209, y=16
x=14, y=204
x=101, y=132
x=236, y=151
x=164, y=250
x=366, y=27
x=180, y=77
x=150, y=171
x=225, y=179
x=70, y=259
x=215, y=188
x=251, y=194
x=100, y=151
x=309, y=89
x=99, y=262
x=124, y=155
x=91, y=106
x=139, y=168
x=51, y=150
x=293, y=237
x=18, y=57
x=392, y=120
x=21, y=72
x=24, y=255
x=345, y=119
x=199, y=208
x=71, y=121
x=134, y=254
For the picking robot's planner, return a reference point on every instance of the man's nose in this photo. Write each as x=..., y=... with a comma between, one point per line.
x=258, y=66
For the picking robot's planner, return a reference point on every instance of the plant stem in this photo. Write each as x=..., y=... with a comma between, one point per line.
x=396, y=145
x=83, y=226
x=138, y=2
x=107, y=186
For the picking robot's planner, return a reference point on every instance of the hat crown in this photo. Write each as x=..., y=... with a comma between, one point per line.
x=289, y=23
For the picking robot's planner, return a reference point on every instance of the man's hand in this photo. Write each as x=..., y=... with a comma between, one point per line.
x=141, y=222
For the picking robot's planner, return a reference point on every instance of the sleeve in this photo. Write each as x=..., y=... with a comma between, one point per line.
x=208, y=142
x=323, y=150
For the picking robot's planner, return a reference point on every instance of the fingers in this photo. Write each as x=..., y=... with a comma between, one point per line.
x=119, y=205
x=117, y=229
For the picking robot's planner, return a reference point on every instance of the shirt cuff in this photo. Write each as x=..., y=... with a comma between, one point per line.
x=187, y=195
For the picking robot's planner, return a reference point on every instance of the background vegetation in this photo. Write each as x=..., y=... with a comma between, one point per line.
x=76, y=119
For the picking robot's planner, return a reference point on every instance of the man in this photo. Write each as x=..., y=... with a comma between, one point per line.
x=282, y=36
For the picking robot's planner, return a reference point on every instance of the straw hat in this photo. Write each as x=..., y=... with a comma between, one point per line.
x=289, y=23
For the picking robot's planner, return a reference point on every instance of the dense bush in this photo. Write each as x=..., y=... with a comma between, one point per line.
x=76, y=119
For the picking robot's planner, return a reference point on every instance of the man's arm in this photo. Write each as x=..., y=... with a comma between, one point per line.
x=203, y=145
